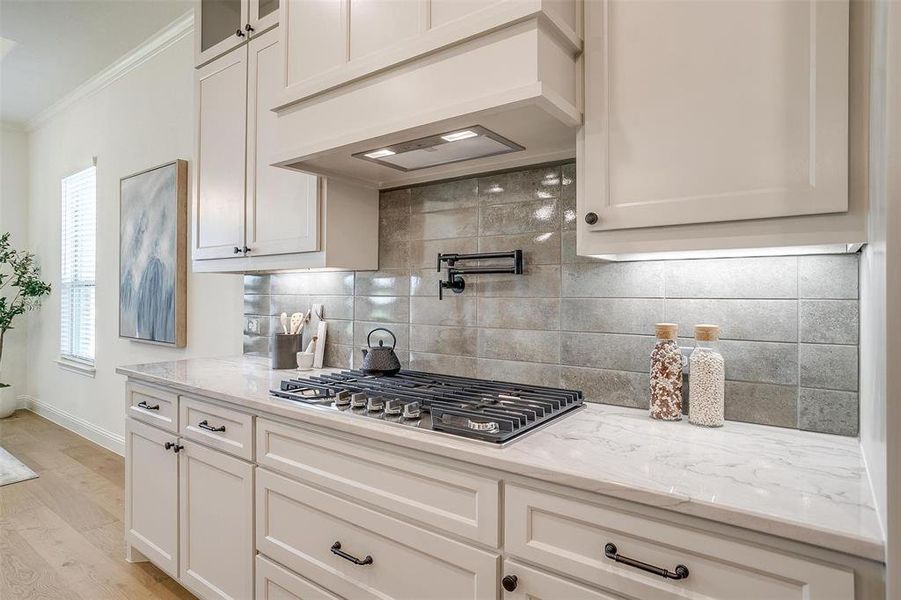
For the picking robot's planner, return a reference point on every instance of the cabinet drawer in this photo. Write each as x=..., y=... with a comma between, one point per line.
x=442, y=497
x=570, y=536
x=532, y=584
x=304, y=528
x=216, y=426
x=153, y=405
x=275, y=582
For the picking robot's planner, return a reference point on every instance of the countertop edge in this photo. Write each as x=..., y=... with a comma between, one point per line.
x=865, y=548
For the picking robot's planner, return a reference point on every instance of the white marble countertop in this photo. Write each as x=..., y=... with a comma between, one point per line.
x=803, y=486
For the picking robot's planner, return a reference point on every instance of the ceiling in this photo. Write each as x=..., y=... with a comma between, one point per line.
x=50, y=47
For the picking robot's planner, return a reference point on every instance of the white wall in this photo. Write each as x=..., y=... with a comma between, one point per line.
x=880, y=291
x=142, y=119
x=14, y=219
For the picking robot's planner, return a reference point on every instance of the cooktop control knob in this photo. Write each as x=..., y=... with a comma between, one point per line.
x=343, y=398
x=375, y=404
x=358, y=400
x=412, y=410
x=394, y=407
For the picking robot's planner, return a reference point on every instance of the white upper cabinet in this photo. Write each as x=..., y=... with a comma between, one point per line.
x=248, y=214
x=712, y=112
x=220, y=99
x=360, y=75
x=282, y=211
x=222, y=25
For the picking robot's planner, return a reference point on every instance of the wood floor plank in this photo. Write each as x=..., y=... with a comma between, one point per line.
x=24, y=575
x=62, y=534
x=100, y=461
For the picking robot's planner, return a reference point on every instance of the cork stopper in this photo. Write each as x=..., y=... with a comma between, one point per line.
x=666, y=331
x=707, y=333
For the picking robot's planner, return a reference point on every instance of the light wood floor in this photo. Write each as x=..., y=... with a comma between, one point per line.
x=61, y=535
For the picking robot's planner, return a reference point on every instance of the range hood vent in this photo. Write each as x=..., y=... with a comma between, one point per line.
x=442, y=149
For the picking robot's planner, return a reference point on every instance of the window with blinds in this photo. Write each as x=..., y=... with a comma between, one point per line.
x=79, y=241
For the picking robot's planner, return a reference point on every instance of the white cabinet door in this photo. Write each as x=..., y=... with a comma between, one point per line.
x=216, y=502
x=709, y=111
x=151, y=484
x=220, y=97
x=220, y=26
x=282, y=205
x=262, y=14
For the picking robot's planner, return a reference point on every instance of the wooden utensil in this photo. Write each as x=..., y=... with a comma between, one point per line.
x=296, y=322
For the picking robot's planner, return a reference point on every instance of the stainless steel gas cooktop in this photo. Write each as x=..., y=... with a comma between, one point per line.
x=492, y=411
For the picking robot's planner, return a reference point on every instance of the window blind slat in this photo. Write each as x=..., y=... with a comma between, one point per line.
x=78, y=262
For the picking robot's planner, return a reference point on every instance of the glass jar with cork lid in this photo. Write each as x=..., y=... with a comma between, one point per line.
x=707, y=375
x=666, y=374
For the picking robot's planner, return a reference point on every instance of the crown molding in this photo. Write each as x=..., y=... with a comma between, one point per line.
x=158, y=42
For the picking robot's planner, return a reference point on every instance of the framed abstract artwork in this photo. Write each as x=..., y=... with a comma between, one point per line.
x=153, y=225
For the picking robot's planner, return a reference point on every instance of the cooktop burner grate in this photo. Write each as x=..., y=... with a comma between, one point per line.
x=494, y=411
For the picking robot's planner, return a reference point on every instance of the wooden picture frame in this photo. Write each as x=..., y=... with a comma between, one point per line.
x=153, y=276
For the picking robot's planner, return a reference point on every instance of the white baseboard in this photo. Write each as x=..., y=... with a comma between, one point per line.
x=109, y=440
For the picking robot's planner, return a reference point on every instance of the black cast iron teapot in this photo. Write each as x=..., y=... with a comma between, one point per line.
x=380, y=361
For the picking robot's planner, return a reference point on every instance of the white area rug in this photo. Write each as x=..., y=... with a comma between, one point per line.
x=12, y=470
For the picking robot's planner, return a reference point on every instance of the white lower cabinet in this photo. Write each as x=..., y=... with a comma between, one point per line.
x=216, y=523
x=151, y=484
x=358, y=552
x=189, y=510
x=308, y=515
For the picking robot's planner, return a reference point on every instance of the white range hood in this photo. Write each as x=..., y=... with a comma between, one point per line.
x=503, y=100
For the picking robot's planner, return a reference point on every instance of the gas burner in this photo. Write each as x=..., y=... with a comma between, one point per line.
x=493, y=411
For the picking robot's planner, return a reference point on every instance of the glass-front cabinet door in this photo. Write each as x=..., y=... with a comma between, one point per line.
x=221, y=26
x=263, y=15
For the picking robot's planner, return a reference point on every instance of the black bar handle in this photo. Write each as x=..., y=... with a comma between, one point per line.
x=336, y=549
x=680, y=572
x=205, y=425
x=143, y=404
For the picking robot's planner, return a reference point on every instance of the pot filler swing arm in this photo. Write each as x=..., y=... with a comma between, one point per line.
x=455, y=281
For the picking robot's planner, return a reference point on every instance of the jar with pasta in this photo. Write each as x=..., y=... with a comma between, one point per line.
x=707, y=373
x=666, y=375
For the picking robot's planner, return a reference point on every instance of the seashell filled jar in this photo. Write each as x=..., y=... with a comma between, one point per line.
x=707, y=371
x=666, y=375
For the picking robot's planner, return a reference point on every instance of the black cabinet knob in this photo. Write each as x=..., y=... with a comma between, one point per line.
x=168, y=445
x=591, y=218
x=178, y=448
x=248, y=28
x=509, y=582
x=246, y=250
x=239, y=33
x=236, y=250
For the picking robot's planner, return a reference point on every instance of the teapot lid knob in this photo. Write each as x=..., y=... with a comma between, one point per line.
x=381, y=343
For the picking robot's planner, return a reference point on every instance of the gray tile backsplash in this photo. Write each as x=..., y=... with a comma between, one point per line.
x=789, y=324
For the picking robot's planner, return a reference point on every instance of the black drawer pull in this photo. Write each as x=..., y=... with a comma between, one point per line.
x=143, y=404
x=680, y=572
x=336, y=549
x=204, y=425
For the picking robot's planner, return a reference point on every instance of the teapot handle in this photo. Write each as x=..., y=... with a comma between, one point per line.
x=368, y=343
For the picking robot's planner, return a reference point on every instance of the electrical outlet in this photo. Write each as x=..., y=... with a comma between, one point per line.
x=252, y=325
